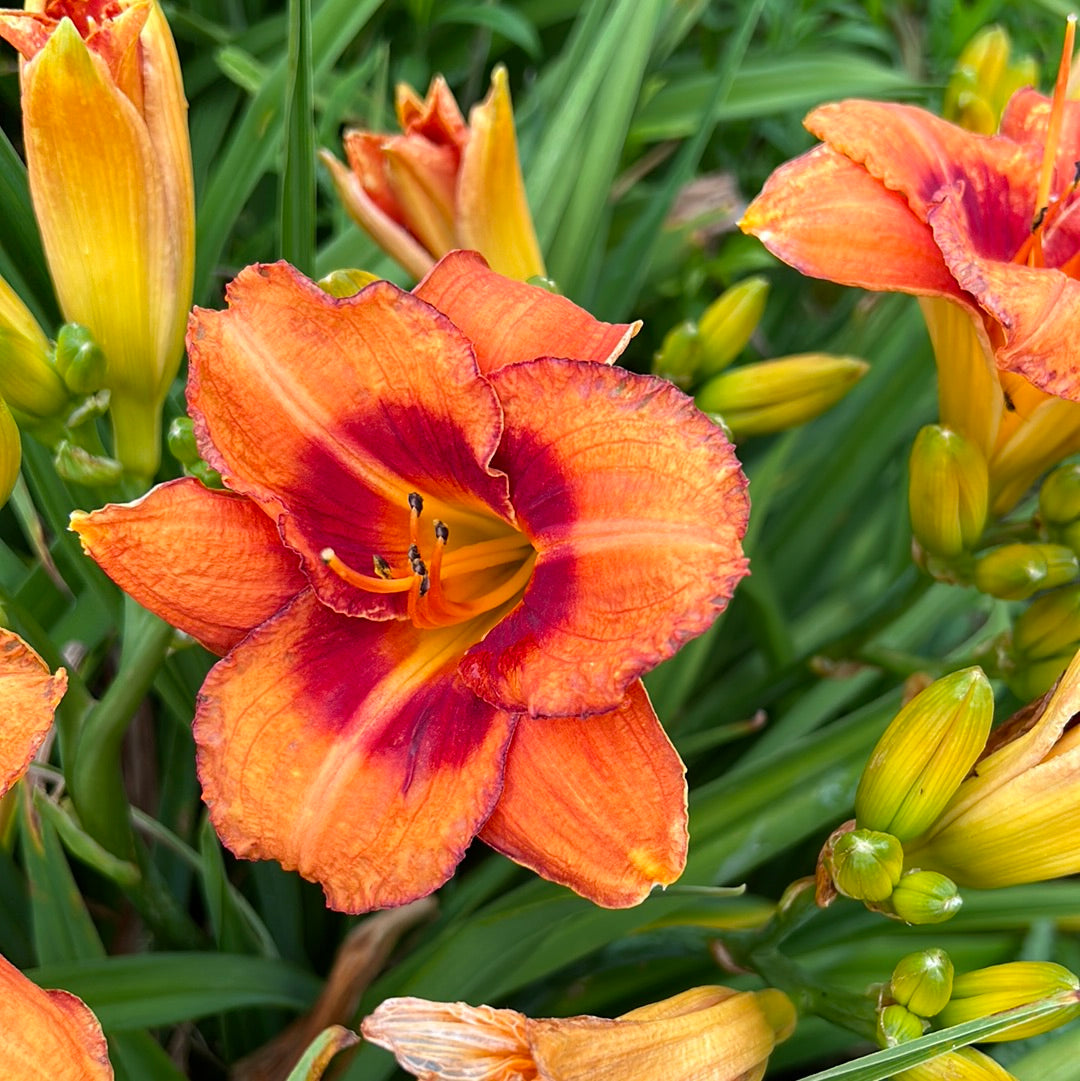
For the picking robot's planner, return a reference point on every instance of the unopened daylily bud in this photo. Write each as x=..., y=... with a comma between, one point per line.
x=727, y=323
x=1017, y=983
x=181, y=440
x=948, y=491
x=1045, y=638
x=923, y=982
x=346, y=282
x=966, y=1064
x=10, y=452
x=866, y=864
x=1059, y=496
x=896, y=1025
x=773, y=395
x=923, y=897
x=924, y=754
x=679, y=355
x=1015, y=572
x=79, y=466
x=983, y=80
x=28, y=382
x=79, y=359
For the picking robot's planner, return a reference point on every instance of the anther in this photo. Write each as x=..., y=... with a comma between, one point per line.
x=442, y=533
x=416, y=503
x=413, y=553
x=382, y=568
x=425, y=585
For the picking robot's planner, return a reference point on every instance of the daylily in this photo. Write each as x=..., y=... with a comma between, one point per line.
x=1013, y=820
x=109, y=163
x=440, y=569
x=983, y=228
x=706, y=1032
x=442, y=184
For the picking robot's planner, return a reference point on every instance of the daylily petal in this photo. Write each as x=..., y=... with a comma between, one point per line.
x=211, y=563
x=597, y=804
x=635, y=504
x=363, y=151
x=510, y=321
x=493, y=210
x=47, y=1035
x=436, y=117
x=29, y=695
x=829, y=218
x=423, y=176
x=348, y=750
x=1025, y=120
x=329, y=412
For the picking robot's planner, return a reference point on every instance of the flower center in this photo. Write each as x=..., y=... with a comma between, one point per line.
x=449, y=586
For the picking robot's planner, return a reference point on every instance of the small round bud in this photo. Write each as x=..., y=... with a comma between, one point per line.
x=79, y=360
x=866, y=865
x=923, y=897
x=1059, y=496
x=209, y=476
x=897, y=1024
x=1015, y=572
x=923, y=981
x=679, y=354
x=346, y=283
x=181, y=440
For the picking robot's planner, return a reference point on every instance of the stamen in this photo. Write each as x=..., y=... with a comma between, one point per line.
x=382, y=568
x=416, y=507
x=363, y=581
x=1057, y=113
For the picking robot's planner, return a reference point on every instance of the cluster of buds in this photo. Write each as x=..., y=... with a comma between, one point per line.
x=984, y=78
x=943, y=803
x=924, y=993
x=756, y=398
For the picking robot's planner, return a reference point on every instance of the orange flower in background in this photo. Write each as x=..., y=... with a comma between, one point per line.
x=441, y=569
x=707, y=1032
x=109, y=163
x=47, y=1035
x=442, y=184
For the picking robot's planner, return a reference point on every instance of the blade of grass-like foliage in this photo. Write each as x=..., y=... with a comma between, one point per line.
x=147, y=990
x=83, y=847
x=255, y=142
x=511, y=24
x=136, y=1056
x=1054, y=1060
x=296, y=204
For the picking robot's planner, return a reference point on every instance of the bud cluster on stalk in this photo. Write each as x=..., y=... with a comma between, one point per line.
x=756, y=398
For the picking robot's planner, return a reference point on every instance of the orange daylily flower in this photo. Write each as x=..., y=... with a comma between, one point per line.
x=442, y=184
x=706, y=1032
x=441, y=569
x=109, y=164
x=47, y=1035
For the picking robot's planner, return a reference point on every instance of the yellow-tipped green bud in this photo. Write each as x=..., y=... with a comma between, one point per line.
x=727, y=323
x=1059, y=496
x=181, y=440
x=866, y=865
x=923, y=982
x=79, y=359
x=923, y=897
x=948, y=491
x=346, y=283
x=679, y=355
x=924, y=754
x=28, y=382
x=1001, y=987
x=1015, y=572
x=79, y=466
x=984, y=79
x=773, y=395
x=896, y=1025
x=10, y=452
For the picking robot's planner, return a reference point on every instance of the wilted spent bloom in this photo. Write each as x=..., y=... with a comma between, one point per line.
x=948, y=491
x=984, y=78
x=924, y=754
x=1015, y=572
x=442, y=184
x=1002, y=987
x=923, y=982
x=773, y=395
x=28, y=382
x=712, y=1032
x=923, y=897
x=109, y=163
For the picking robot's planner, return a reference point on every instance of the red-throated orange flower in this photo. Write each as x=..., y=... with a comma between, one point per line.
x=897, y=199
x=441, y=568
x=105, y=128
x=707, y=1032
x=442, y=184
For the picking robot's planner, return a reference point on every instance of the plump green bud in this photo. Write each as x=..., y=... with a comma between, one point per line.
x=181, y=440
x=923, y=897
x=773, y=395
x=346, y=283
x=727, y=323
x=679, y=354
x=1069, y=535
x=79, y=360
x=1015, y=572
x=948, y=492
x=10, y=452
x=1059, y=496
x=866, y=865
x=924, y=754
x=923, y=981
x=1049, y=626
x=897, y=1024
x=79, y=466
x=1001, y=987
x=209, y=476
